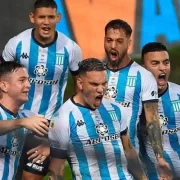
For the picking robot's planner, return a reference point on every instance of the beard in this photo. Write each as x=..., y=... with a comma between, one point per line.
x=115, y=64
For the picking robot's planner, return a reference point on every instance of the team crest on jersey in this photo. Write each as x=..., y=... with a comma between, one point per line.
x=113, y=115
x=59, y=59
x=176, y=105
x=111, y=92
x=163, y=120
x=14, y=141
x=131, y=81
x=40, y=70
x=101, y=129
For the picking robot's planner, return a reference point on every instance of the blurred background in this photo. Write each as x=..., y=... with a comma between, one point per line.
x=84, y=22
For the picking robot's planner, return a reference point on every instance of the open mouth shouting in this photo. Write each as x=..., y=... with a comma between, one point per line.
x=162, y=79
x=113, y=55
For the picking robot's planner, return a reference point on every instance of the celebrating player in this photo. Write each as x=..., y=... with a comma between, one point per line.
x=91, y=132
x=134, y=87
x=155, y=58
x=14, y=88
x=48, y=55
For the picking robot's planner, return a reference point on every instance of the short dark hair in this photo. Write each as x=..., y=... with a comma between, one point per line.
x=9, y=67
x=45, y=3
x=119, y=24
x=152, y=47
x=91, y=64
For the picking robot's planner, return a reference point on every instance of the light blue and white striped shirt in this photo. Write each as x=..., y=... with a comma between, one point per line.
x=48, y=67
x=11, y=145
x=91, y=140
x=131, y=86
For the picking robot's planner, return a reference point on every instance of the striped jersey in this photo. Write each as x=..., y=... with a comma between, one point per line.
x=90, y=139
x=48, y=67
x=131, y=86
x=11, y=145
x=169, y=115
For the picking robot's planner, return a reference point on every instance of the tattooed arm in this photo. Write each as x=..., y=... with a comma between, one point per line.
x=56, y=169
x=155, y=137
x=153, y=128
x=134, y=164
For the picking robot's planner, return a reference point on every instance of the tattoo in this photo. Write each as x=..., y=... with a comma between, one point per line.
x=153, y=128
x=154, y=134
x=51, y=176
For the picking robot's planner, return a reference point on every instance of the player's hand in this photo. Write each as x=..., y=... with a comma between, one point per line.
x=37, y=123
x=39, y=153
x=164, y=170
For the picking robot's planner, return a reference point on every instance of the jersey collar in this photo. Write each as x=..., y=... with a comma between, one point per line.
x=131, y=62
x=44, y=45
x=7, y=110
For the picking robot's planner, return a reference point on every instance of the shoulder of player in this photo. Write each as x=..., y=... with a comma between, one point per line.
x=21, y=36
x=175, y=87
x=69, y=43
x=66, y=108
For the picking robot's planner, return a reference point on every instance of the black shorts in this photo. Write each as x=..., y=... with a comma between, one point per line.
x=39, y=169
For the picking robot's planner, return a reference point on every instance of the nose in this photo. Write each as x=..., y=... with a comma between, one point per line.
x=162, y=66
x=28, y=85
x=46, y=20
x=100, y=89
x=113, y=45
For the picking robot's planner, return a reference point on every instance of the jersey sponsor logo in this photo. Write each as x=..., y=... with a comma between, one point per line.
x=10, y=152
x=14, y=141
x=103, y=138
x=163, y=120
x=35, y=166
x=80, y=123
x=171, y=131
x=24, y=55
x=113, y=115
x=111, y=92
x=59, y=59
x=101, y=129
x=131, y=81
x=45, y=82
x=125, y=104
x=176, y=105
x=40, y=70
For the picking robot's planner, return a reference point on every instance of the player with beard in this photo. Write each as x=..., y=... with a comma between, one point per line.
x=91, y=132
x=134, y=87
x=155, y=58
x=48, y=56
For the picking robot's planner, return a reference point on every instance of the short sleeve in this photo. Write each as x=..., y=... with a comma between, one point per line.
x=9, y=51
x=75, y=58
x=59, y=136
x=149, y=88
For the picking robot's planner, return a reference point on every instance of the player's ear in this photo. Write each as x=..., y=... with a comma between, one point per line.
x=79, y=83
x=59, y=17
x=31, y=17
x=4, y=86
